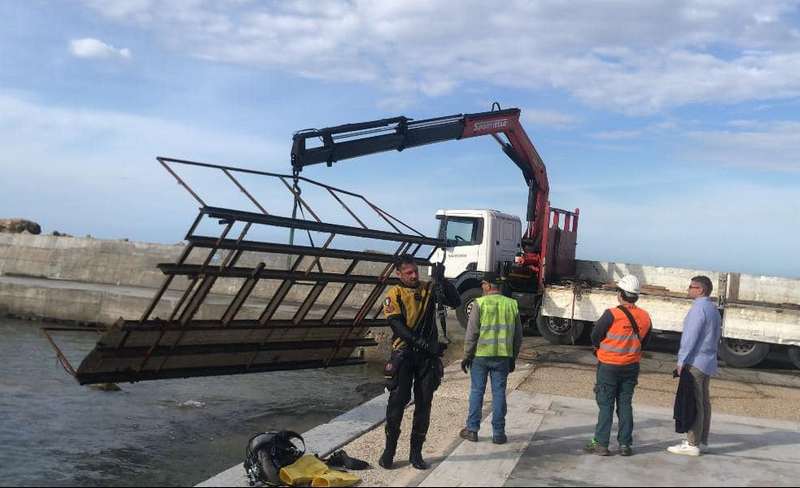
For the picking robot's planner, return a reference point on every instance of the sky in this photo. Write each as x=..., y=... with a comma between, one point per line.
x=673, y=125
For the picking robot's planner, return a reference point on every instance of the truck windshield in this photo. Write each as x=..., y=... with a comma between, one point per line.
x=463, y=231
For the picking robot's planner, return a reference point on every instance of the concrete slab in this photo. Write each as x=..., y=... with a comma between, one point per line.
x=485, y=464
x=744, y=452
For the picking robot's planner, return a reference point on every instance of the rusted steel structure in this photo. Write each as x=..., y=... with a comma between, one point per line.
x=284, y=305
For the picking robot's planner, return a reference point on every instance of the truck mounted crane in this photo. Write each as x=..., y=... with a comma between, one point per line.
x=546, y=249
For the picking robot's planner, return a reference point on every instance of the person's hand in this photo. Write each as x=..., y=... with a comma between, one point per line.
x=422, y=345
x=466, y=364
x=512, y=365
x=680, y=368
x=438, y=272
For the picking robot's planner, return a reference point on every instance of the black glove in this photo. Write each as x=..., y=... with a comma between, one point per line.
x=512, y=365
x=466, y=364
x=421, y=344
x=438, y=272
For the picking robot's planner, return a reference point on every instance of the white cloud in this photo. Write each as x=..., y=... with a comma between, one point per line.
x=89, y=48
x=94, y=171
x=765, y=146
x=549, y=118
x=631, y=56
x=616, y=135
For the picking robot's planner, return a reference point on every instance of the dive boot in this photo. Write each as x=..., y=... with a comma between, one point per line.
x=415, y=455
x=387, y=458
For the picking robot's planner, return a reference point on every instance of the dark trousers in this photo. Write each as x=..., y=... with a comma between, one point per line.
x=418, y=373
x=615, y=385
x=698, y=434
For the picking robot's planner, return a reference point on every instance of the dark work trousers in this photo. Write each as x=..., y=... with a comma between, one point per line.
x=698, y=434
x=615, y=385
x=422, y=373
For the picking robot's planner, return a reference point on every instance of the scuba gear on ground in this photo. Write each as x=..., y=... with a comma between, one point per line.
x=340, y=459
x=309, y=469
x=334, y=477
x=268, y=452
x=302, y=471
x=415, y=454
x=387, y=458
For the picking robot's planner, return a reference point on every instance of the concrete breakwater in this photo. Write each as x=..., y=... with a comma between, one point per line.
x=99, y=281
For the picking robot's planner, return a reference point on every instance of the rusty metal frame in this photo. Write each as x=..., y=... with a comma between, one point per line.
x=157, y=346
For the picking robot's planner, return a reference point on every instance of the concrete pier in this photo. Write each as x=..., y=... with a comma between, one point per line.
x=547, y=431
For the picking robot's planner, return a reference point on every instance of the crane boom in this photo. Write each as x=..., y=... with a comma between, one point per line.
x=398, y=133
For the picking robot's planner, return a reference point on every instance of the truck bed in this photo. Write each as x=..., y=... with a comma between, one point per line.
x=755, y=308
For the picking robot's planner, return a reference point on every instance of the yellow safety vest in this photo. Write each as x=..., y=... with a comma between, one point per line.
x=498, y=322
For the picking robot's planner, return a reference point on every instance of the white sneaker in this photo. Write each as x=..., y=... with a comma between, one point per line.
x=684, y=449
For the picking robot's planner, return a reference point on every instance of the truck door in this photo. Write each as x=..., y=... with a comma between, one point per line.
x=464, y=245
x=509, y=237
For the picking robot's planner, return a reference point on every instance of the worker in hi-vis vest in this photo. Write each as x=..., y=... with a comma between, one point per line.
x=491, y=347
x=618, y=337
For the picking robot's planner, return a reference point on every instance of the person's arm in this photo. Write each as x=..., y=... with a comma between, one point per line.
x=601, y=327
x=473, y=331
x=393, y=311
x=517, y=337
x=646, y=339
x=398, y=325
x=450, y=296
x=691, y=335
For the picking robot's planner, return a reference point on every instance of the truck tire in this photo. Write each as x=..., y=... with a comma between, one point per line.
x=559, y=331
x=742, y=354
x=794, y=355
x=467, y=297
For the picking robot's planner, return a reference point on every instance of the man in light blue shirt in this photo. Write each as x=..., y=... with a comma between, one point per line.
x=698, y=352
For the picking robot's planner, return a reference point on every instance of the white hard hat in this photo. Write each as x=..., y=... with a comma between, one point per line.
x=629, y=283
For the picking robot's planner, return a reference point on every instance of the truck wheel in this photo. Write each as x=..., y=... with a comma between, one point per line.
x=742, y=354
x=559, y=331
x=794, y=356
x=462, y=312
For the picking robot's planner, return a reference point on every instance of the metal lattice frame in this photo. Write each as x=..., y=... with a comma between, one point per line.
x=188, y=343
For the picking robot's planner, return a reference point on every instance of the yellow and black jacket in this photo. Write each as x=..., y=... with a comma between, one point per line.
x=411, y=312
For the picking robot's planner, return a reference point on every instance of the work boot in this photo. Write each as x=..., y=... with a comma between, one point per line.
x=387, y=458
x=415, y=455
x=594, y=447
x=499, y=439
x=468, y=435
x=625, y=451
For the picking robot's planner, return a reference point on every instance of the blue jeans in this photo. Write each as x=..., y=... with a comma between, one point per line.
x=497, y=369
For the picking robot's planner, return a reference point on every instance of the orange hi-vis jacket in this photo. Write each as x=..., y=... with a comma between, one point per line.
x=621, y=346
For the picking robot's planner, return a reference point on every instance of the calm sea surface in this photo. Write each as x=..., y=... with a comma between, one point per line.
x=167, y=432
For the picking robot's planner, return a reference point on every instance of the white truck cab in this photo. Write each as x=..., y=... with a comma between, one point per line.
x=477, y=240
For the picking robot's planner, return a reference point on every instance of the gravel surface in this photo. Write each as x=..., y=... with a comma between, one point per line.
x=658, y=389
